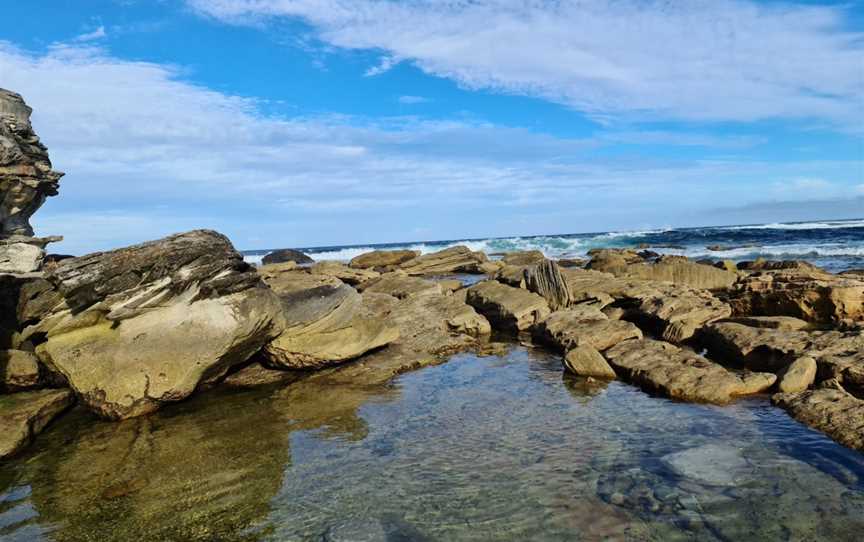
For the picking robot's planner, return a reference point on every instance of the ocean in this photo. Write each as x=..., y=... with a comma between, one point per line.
x=834, y=245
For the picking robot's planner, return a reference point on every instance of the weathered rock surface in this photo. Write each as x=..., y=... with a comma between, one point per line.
x=546, y=280
x=24, y=415
x=458, y=259
x=383, y=258
x=711, y=464
x=346, y=274
x=401, y=286
x=675, y=269
x=799, y=376
x=138, y=327
x=831, y=410
x=680, y=374
x=511, y=275
x=506, y=307
x=572, y=328
x=785, y=323
x=286, y=255
x=19, y=254
x=587, y=361
x=19, y=370
x=523, y=258
x=255, y=374
x=680, y=312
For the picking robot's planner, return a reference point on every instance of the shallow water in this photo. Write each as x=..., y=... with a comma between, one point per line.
x=494, y=448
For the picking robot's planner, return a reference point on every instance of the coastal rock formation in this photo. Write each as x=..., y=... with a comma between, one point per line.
x=135, y=328
x=679, y=374
x=675, y=269
x=588, y=362
x=572, y=328
x=546, y=280
x=24, y=415
x=830, y=409
x=506, y=307
x=286, y=255
x=19, y=370
x=401, y=286
x=523, y=258
x=798, y=376
x=383, y=259
x=679, y=312
x=458, y=259
x=346, y=274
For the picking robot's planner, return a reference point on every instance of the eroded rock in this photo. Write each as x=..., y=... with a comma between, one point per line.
x=24, y=415
x=458, y=259
x=401, y=286
x=833, y=411
x=588, y=362
x=383, y=258
x=285, y=255
x=583, y=326
x=508, y=308
x=19, y=370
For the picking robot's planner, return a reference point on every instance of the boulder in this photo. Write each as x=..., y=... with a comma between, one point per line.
x=509, y=308
x=571, y=328
x=20, y=254
x=346, y=274
x=286, y=255
x=831, y=410
x=798, y=376
x=680, y=374
x=383, y=258
x=546, y=280
x=401, y=286
x=255, y=374
x=19, y=370
x=678, y=313
x=588, y=362
x=785, y=323
x=511, y=275
x=458, y=259
x=675, y=269
x=142, y=326
x=571, y=262
x=24, y=415
x=523, y=258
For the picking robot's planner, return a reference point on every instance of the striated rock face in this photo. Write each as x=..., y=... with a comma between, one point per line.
x=675, y=269
x=831, y=410
x=506, y=307
x=135, y=328
x=19, y=370
x=346, y=274
x=401, y=286
x=546, y=280
x=24, y=415
x=572, y=328
x=383, y=258
x=679, y=374
x=459, y=259
x=587, y=361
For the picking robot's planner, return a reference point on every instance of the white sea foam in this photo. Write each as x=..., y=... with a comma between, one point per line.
x=829, y=225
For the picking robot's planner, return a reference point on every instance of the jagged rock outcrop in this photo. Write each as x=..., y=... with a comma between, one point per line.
x=346, y=274
x=458, y=259
x=675, y=269
x=583, y=326
x=508, y=308
x=680, y=374
x=24, y=415
x=383, y=259
x=285, y=255
x=135, y=328
x=523, y=258
x=401, y=286
x=830, y=409
x=546, y=280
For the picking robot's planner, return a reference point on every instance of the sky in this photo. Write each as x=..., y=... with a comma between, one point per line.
x=301, y=123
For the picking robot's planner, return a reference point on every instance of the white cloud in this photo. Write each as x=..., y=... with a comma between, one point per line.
x=97, y=34
x=412, y=100
x=733, y=60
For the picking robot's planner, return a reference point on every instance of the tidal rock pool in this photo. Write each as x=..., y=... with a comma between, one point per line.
x=480, y=448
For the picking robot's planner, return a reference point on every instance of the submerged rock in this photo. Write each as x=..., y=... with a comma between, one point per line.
x=286, y=255
x=509, y=308
x=24, y=415
x=142, y=326
x=711, y=464
x=383, y=258
x=831, y=410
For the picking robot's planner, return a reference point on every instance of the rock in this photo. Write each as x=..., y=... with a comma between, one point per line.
x=675, y=269
x=383, y=258
x=384, y=529
x=458, y=259
x=678, y=313
x=545, y=279
x=325, y=325
x=255, y=374
x=572, y=328
x=24, y=415
x=448, y=286
x=725, y=248
x=711, y=464
x=401, y=286
x=286, y=255
x=801, y=291
x=799, y=376
x=587, y=361
x=785, y=323
x=833, y=411
x=346, y=274
x=511, y=275
x=571, y=262
x=506, y=307
x=727, y=265
x=26, y=177
x=20, y=256
x=523, y=258
x=19, y=370
x=679, y=374
x=146, y=325
x=286, y=277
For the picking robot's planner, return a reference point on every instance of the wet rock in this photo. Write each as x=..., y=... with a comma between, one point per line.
x=19, y=370
x=344, y=273
x=711, y=464
x=458, y=259
x=680, y=374
x=286, y=255
x=509, y=308
x=383, y=258
x=145, y=325
x=587, y=361
x=799, y=376
x=24, y=415
x=401, y=286
x=587, y=326
x=255, y=374
x=833, y=411
x=545, y=279
x=523, y=258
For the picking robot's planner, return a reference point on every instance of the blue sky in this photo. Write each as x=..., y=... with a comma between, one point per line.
x=323, y=122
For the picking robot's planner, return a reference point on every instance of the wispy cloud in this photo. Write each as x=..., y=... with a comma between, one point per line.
x=412, y=100
x=723, y=60
x=94, y=35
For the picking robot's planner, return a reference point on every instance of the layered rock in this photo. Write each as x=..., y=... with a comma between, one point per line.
x=25, y=415
x=458, y=259
x=285, y=255
x=346, y=274
x=680, y=374
x=506, y=307
x=383, y=259
x=831, y=410
x=588, y=362
x=135, y=328
x=546, y=280
x=675, y=269
x=573, y=328
x=19, y=370
x=401, y=286
x=523, y=258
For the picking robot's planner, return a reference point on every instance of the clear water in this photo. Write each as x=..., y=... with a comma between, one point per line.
x=494, y=448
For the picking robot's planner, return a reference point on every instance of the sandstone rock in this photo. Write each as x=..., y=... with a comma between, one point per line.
x=711, y=464
x=255, y=374
x=511, y=275
x=383, y=258
x=24, y=415
x=19, y=255
x=448, y=286
x=799, y=376
x=587, y=361
x=830, y=410
x=286, y=255
x=19, y=370
x=506, y=307
x=675, y=269
x=401, y=286
x=146, y=325
x=680, y=312
x=346, y=274
x=286, y=278
x=571, y=328
x=546, y=280
x=458, y=259
x=523, y=258
x=571, y=262
x=679, y=374
x=786, y=323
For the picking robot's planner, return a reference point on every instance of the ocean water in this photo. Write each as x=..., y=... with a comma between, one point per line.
x=835, y=245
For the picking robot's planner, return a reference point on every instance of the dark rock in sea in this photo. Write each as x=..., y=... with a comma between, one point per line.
x=286, y=255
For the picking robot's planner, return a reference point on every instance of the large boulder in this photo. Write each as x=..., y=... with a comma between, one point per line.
x=798, y=376
x=680, y=374
x=675, y=269
x=135, y=328
x=588, y=362
x=19, y=370
x=830, y=409
x=581, y=326
x=545, y=279
x=284, y=255
x=458, y=259
x=508, y=308
x=24, y=415
x=383, y=258
x=523, y=258
x=401, y=286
